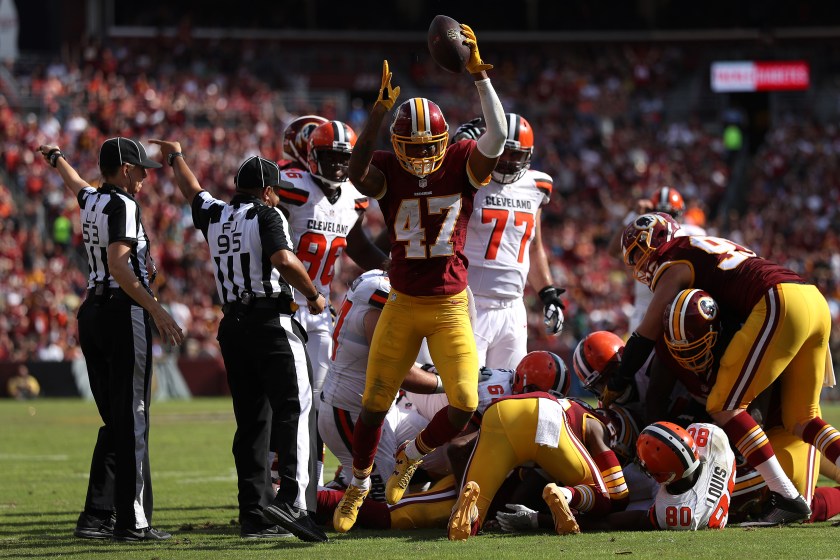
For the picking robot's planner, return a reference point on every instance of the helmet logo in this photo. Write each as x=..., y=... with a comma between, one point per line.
x=644, y=221
x=707, y=307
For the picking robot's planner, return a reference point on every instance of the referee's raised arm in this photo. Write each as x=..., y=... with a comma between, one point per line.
x=263, y=344
x=55, y=157
x=184, y=178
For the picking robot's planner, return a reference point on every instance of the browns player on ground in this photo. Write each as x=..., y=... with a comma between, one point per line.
x=426, y=192
x=695, y=468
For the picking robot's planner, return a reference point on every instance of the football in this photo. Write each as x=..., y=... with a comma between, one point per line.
x=446, y=44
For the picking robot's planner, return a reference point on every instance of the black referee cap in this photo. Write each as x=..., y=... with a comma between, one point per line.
x=257, y=173
x=117, y=151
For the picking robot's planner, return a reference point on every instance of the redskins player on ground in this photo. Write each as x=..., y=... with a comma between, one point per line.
x=786, y=324
x=520, y=429
x=326, y=216
x=425, y=190
x=504, y=248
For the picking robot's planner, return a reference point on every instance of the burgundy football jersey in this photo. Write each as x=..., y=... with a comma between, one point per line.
x=731, y=273
x=427, y=222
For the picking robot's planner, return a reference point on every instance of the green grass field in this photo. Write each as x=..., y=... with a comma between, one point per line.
x=45, y=449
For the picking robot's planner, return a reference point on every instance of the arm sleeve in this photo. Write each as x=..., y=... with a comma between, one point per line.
x=274, y=231
x=613, y=476
x=492, y=142
x=200, y=211
x=122, y=221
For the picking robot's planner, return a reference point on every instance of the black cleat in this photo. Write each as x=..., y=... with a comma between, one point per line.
x=92, y=526
x=782, y=511
x=145, y=534
x=295, y=520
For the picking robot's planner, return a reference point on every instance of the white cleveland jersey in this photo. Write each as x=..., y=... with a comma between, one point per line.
x=706, y=504
x=500, y=232
x=492, y=385
x=642, y=294
x=345, y=381
x=319, y=228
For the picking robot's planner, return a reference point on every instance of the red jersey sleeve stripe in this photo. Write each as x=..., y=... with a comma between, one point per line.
x=545, y=186
x=362, y=204
x=293, y=196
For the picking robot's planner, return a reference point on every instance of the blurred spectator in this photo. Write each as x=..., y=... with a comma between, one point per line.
x=603, y=133
x=23, y=386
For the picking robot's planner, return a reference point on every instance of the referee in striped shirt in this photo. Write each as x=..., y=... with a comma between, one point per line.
x=116, y=338
x=263, y=346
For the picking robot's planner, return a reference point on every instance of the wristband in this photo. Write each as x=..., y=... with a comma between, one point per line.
x=439, y=389
x=53, y=155
x=550, y=294
x=170, y=159
x=313, y=298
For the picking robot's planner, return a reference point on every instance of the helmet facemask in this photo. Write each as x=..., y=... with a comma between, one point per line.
x=331, y=165
x=694, y=356
x=424, y=165
x=513, y=163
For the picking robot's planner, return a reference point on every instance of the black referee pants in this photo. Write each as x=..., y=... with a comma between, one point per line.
x=116, y=340
x=270, y=376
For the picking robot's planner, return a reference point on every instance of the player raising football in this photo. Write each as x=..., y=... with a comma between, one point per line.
x=425, y=190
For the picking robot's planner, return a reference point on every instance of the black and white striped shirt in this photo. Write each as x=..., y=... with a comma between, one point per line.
x=242, y=237
x=108, y=215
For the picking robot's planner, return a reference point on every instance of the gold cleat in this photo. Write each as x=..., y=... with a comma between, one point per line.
x=564, y=521
x=345, y=514
x=403, y=471
x=464, y=514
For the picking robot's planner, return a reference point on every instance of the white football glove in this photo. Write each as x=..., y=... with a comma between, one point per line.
x=522, y=519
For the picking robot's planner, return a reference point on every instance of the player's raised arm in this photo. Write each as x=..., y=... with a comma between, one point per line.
x=491, y=144
x=367, y=179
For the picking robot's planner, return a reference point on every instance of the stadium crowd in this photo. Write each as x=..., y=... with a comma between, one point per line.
x=601, y=129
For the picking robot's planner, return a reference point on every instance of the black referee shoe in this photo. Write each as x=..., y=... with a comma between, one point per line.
x=95, y=526
x=145, y=534
x=295, y=520
x=266, y=531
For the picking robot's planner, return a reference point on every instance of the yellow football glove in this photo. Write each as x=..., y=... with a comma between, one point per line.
x=387, y=94
x=474, y=64
x=608, y=397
